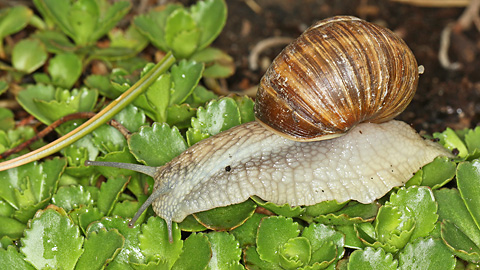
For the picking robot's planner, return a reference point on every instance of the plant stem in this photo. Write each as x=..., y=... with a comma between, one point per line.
x=102, y=117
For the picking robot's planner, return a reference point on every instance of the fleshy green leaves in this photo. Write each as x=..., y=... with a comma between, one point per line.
x=168, y=144
x=279, y=245
x=155, y=245
x=28, y=55
x=52, y=241
x=100, y=248
x=83, y=20
x=410, y=213
x=48, y=104
x=188, y=32
x=181, y=30
x=459, y=212
x=426, y=254
x=217, y=116
x=372, y=259
x=13, y=20
x=29, y=187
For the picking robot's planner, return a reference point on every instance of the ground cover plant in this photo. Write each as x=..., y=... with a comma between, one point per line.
x=59, y=214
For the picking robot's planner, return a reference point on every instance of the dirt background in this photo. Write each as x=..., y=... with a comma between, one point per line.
x=445, y=98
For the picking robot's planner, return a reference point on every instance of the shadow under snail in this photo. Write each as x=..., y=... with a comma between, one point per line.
x=323, y=130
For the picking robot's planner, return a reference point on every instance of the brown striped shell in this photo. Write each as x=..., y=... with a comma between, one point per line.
x=340, y=72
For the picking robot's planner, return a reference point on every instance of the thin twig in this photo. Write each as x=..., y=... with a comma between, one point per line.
x=443, y=51
x=470, y=15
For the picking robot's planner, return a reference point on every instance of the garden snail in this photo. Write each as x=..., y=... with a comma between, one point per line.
x=360, y=76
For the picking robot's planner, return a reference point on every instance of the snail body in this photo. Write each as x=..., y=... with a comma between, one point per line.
x=295, y=153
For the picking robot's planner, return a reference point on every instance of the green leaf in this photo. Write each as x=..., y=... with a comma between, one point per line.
x=28, y=55
x=158, y=96
x=65, y=69
x=451, y=207
x=154, y=242
x=435, y=174
x=327, y=243
x=83, y=17
x=13, y=260
x=354, y=212
x=180, y=115
x=152, y=25
x=246, y=233
x=130, y=38
x=225, y=251
x=253, y=261
x=131, y=117
x=13, y=20
x=72, y=197
x=181, y=33
x=83, y=20
x=419, y=204
x=468, y=182
x=372, y=259
x=130, y=252
x=351, y=238
x=393, y=228
x=55, y=42
x=283, y=210
x=218, y=64
x=48, y=104
x=195, y=135
x=6, y=210
x=88, y=216
x=108, y=139
x=190, y=224
x=245, y=107
x=109, y=17
x=324, y=208
x=100, y=248
x=295, y=253
x=450, y=140
x=196, y=253
x=185, y=77
x=52, y=240
x=226, y=218
x=11, y=227
x=110, y=191
x=472, y=139
x=6, y=119
x=126, y=208
x=168, y=142
x=39, y=179
x=273, y=233
x=461, y=244
x=217, y=116
x=210, y=26
x=426, y=254
x=200, y=96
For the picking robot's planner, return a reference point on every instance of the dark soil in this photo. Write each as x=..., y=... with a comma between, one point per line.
x=444, y=98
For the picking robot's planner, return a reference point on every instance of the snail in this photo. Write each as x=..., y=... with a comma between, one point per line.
x=324, y=130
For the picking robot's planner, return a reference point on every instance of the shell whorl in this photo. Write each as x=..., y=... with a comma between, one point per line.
x=340, y=72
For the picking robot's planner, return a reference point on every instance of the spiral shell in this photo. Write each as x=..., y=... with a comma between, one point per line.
x=340, y=72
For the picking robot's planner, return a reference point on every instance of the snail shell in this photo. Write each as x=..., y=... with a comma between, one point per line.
x=340, y=72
